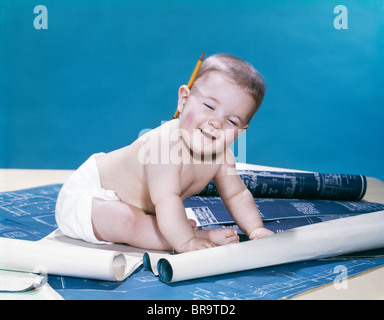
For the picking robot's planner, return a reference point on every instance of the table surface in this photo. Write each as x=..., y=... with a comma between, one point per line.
x=368, y=285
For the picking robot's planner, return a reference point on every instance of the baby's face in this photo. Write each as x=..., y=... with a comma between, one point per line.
x=214, y=114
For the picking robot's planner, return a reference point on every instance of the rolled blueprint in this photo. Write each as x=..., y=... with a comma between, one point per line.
x=60, y=259
x=320, y=240
x=299, y=185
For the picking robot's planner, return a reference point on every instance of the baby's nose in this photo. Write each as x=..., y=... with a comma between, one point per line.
x=216, y=123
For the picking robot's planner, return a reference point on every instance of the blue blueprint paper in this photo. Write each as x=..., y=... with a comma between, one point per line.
x=29, y=215
x=277, y=209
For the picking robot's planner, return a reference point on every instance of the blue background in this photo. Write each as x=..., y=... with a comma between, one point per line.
x=105, y=70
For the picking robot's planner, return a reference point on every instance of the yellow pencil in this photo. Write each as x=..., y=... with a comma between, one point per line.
x=192, y=79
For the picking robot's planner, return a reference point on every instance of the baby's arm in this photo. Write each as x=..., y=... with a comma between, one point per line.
x=240, y=202
x=165, y=188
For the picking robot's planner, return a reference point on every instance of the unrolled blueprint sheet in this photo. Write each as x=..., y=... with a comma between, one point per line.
x=212, y=211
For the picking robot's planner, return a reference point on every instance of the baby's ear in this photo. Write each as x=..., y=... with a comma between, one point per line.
x=183, y=97
x=244, y=128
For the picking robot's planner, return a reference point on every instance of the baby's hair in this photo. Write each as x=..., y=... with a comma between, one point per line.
x=239, y=71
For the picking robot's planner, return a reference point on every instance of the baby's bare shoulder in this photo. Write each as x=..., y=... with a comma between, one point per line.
x=227, y=164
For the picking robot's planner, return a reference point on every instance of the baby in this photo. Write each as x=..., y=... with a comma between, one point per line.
x=135, y=194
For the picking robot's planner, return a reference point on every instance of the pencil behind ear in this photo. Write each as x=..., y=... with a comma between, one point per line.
x=183, y=97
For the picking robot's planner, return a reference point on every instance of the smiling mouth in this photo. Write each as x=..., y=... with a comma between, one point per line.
x=206, y=134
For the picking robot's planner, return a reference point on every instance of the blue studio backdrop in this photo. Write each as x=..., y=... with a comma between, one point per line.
x=85, y=76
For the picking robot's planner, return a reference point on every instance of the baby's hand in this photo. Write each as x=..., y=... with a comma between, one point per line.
x=260, y=233
x=196, y=244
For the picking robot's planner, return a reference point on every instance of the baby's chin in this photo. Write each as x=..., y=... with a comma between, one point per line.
x=198, y=150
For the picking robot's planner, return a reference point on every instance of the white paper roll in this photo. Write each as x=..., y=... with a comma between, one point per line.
x=326, y=239
x=60, y=259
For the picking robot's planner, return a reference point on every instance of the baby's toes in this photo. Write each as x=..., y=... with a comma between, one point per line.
x=232, y=236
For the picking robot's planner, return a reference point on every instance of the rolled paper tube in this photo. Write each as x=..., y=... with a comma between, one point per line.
x=53, y=258
x=320, y=240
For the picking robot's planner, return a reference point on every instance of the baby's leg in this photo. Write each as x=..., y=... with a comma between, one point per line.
x=116, y=221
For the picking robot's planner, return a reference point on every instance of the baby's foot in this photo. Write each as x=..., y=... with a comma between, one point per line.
x=192, y=223
x=219, y=236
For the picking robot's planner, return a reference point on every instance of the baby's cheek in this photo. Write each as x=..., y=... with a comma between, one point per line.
x=187, y=120
x=190, y=117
